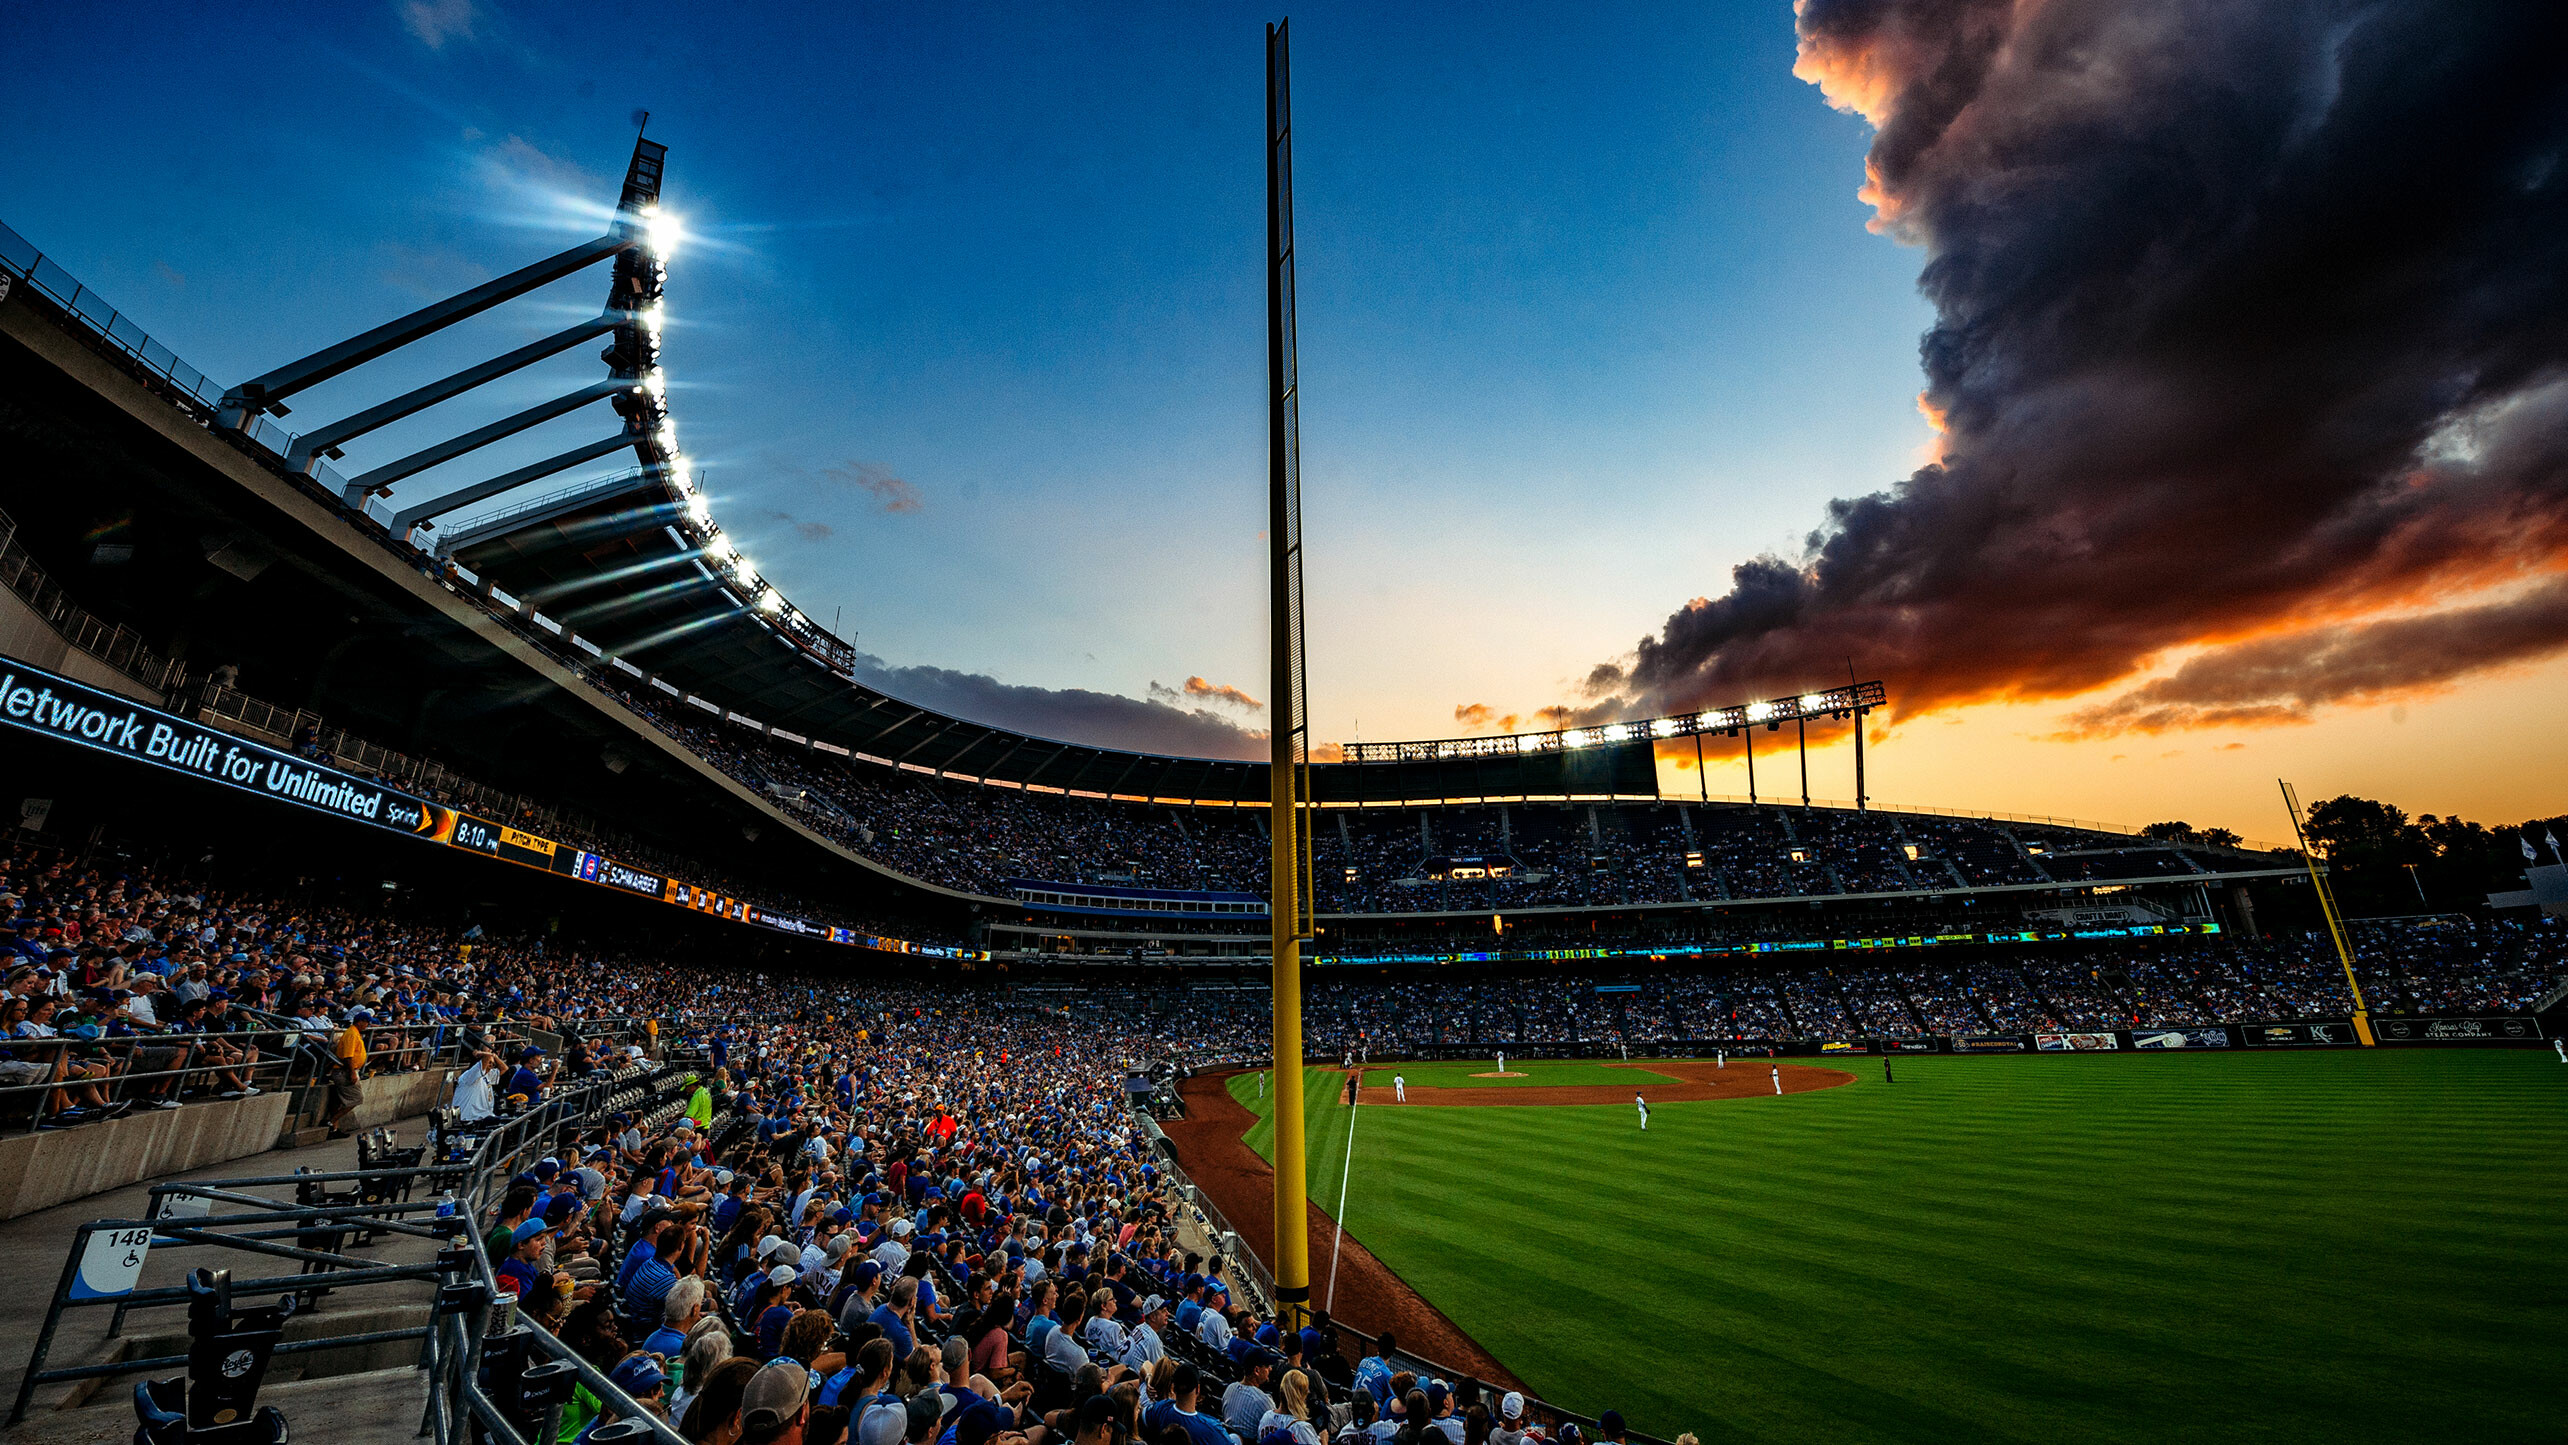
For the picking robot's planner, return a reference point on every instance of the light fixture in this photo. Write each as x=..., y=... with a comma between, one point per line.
x=662, y=228
x=698, y=508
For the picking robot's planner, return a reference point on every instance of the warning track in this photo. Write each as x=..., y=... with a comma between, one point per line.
x=1369, y=1296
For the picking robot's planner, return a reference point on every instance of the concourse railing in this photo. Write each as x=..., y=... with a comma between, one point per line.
x=492, y=1374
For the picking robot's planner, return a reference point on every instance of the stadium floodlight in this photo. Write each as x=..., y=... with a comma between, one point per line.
x=1760, y=711
x=745, y=570
x=667, y=435
x=1665, y=727
x=662, y=228
x=1812, y=702
x=656, y=382
x=654, y=317
x=720, y=546
x=699, y=509
x=770, y=601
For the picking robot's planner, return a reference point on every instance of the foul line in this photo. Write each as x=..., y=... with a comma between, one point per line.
x=1344, y=1168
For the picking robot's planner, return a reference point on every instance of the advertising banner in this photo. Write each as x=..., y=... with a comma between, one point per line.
x=2456, y=1031
x=2077, y=1043
x=1988, y=1043
x=2180, y=1038
x=37, y=703
x=1906, y=1046
x=2297, y=1035
x=1844, y=1046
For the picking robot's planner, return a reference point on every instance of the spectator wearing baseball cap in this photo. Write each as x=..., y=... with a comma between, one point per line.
x=776, y=1405
x=523, y=1270
x=1245, y=1404
x=641, y=1376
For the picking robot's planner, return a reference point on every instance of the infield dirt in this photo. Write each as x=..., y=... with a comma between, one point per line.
x=1696, y=1079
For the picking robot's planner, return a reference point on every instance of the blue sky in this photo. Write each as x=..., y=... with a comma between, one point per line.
x=1588, y=313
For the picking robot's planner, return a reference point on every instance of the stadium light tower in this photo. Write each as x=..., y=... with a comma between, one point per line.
x=1289, y=880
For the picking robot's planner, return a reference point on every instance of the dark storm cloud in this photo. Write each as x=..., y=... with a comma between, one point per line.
x=2251, y=331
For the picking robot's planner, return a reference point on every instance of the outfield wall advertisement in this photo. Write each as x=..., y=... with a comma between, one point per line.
x=1665, y=952
x=2317, y=1035
x=2187, y=1038
x=34, y=702
x=2457, y=1031
x=2077, y=1043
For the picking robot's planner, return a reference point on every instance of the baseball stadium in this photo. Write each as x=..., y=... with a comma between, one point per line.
x=486, y=964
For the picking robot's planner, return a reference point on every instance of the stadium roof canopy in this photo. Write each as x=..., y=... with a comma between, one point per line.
x=608, y=559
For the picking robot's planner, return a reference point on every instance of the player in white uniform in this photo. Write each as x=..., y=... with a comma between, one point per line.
x=1777, y=1071
x=1502, y=1063
x=1644, y=1106
x=1400, y=1087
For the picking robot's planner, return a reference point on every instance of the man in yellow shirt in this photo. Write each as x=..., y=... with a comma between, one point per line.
x=347, y=1066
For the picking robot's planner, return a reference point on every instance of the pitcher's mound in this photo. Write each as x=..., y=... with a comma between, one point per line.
x=1504, y=1074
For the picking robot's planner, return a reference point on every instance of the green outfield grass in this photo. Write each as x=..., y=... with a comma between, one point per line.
x=2352, y=1245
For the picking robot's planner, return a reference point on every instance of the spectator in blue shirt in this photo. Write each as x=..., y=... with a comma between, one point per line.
x=893, y=1316
x=1185, y=1389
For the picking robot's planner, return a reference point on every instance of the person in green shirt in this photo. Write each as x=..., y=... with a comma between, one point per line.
x=700, y=1108
x=515, y=1208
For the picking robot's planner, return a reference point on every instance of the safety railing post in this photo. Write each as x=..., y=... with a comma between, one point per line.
x=53, y=1320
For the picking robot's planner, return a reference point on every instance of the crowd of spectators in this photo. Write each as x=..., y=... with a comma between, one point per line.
x=980, y=839
x=904, y=1212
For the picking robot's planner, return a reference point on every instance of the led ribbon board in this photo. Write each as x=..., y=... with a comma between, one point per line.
x=47, y=705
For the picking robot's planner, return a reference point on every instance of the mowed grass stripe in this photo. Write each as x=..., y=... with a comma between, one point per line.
x=2271, y=1245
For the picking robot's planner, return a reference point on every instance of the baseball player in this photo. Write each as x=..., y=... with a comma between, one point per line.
x=1502, y=1063
x=1400, y=1087
x=2562, y=1046
x=1644, y=1106
x=1721, y=1058
x=1777, y=1072
x=1885, y=1066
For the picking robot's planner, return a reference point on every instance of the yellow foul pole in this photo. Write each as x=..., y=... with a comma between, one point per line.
x=2327, y=909
x=1288, y=878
